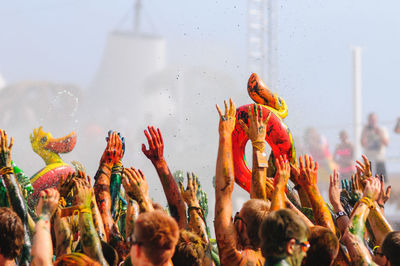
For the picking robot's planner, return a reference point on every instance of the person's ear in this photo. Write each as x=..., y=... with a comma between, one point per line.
x=290, y=246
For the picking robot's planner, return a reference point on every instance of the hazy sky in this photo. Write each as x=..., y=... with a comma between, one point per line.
x=63, y=40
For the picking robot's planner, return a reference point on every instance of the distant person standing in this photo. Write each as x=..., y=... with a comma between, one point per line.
x=343, y=156
x=374, y=140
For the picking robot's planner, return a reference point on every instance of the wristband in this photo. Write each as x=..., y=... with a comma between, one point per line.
x=256, y=144
x=6, y=170
x=368, y=202
x=340, y=214
x=195, y=208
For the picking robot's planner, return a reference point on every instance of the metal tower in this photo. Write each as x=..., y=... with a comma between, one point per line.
x=262, y=41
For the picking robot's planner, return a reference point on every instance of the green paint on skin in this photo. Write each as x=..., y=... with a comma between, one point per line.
x=357, y=227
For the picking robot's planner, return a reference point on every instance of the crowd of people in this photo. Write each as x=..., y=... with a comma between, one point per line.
x=285, y=221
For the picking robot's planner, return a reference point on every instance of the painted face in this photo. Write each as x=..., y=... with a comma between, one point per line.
x=300, y=250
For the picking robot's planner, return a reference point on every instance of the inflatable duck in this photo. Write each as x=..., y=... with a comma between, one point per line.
x=49, y=149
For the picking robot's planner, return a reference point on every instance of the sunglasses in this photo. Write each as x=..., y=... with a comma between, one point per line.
x=305, y=246
x=237, y=217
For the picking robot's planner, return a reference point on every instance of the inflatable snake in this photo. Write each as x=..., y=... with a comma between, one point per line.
x=278, y=135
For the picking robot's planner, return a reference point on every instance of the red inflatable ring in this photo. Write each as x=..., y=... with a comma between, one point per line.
x=278, y=137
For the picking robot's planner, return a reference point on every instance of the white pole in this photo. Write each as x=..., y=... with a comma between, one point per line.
x=357, y=101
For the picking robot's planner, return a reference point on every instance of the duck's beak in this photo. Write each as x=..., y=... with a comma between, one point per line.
x=62, y=145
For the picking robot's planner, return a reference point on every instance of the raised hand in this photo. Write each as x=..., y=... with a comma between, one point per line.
x=282, y=171
x=110, y=132
x=48, y=203
x=257, y=129
x=227, y=120
x=66, y=184
x=113, y=152
x=372, y=188
x=269, y=184
x=83, y=193
x=308, y=172
x=364, y=168
x=189, y=195
x=135, y=184
x=334, y=190
x=357, y=185
x=383, y=195
x=294, y=171
x=5, y=149
x=155, y=152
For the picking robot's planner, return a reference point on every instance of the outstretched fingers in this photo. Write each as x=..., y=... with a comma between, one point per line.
x=149, y=140
x=154, y=135
x=232, y=107
x=265, y=122
x=244, y=126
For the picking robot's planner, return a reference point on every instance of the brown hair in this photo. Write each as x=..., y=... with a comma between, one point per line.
x=324, y=247
x=157, y=233
x=189, y=250
x=278, y=228
x=391, y=247
x=254, y=212
x=75, y=259
x=11, y=234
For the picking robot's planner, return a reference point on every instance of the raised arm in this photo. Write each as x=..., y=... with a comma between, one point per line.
x=90, y=240
x=225, y=232
x=281, y=178
x=136, y=188
x=256, y=131
x=132, y=212
x=308, y=180
x=14, y=193
x=294, y=176
x=63, y=234
x=197, y=223
x=111, y=156
x=354, y=234
x=155, y=154
x=42, y=249
x=379, y=225
x=289, y=204
x=334, y=197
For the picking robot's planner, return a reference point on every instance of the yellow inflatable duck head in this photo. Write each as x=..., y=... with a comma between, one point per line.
x=48, y=147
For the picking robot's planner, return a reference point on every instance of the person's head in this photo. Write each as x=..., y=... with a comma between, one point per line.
x=248, y=221
x=324, y=247
x=343, y=136
x=155, y=238
x=11, y=234
x=284, y=235
x=391, y=247
x=75, y=259
x=190, y=249
x=372, y=120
